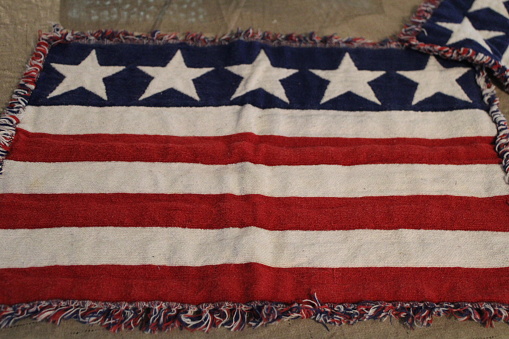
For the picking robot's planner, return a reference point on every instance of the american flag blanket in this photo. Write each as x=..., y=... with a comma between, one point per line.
x=157, y=182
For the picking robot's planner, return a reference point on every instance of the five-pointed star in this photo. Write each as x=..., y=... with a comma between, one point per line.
x=88, y=74
x=261, y=74
x=435, y=78
x=174, y=75
x=465, y=30
x=496, y=5
x=348, y=78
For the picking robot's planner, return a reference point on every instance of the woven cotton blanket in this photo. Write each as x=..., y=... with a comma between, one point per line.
x=157, y=182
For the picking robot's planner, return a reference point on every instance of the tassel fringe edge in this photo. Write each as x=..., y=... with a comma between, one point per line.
x=12, y=114
x=152, y=317
x=408, y=37
x=492, y=100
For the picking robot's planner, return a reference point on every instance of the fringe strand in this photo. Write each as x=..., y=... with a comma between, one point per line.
x=152, y=317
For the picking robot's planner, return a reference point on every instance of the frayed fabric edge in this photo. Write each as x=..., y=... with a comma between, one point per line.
x=152, y=317
x=61, y=35
x=12, y=114
x=423, y=13
x=408, y=38
x=420, y=17
x=491, y=99
x=459, y=54
x=482, y=63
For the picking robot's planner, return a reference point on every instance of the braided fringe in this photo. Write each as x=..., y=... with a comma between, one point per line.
x=152, y=317
x=491, y=99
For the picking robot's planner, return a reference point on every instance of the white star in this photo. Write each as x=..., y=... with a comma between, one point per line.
x=348, y=78
x=174, y=75
x=435, y=78
x=261, y=74
x=88, y=74
x=496, y=5
x=465, y=30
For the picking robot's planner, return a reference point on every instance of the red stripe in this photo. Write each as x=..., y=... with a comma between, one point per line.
x=249, y=282
x=268, y=150
x=227, y=210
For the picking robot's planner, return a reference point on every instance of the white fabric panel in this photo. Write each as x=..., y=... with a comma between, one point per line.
x=227, y=120
x=197, y=247
x=248, y=178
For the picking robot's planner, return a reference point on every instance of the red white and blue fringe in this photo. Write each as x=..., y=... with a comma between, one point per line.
x=12, y=115
x=483, y=62
x=158, y=316
x=492, y=100
x=61, y=35
x=152, y=317
x=408, y=37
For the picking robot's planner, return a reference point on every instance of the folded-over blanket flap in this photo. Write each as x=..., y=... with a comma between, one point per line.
x=473, y=30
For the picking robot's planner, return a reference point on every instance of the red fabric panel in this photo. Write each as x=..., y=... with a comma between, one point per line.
x=249, y=282
x=268, y=150
x=227, y=210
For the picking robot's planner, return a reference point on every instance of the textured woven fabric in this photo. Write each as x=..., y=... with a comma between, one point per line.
x=477, y=31
x=247, y=174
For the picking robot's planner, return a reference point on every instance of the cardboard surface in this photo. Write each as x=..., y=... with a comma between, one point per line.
x=19, y=23
x=374, y=19
x=295, y=329
x=216, y=17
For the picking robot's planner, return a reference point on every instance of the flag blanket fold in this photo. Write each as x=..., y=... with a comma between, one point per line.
x=159, y=183
x=473, y=30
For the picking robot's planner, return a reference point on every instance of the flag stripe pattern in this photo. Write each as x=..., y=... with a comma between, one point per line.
x=246, y=172
x=229, y=120
x=246, y=178
x=205, y=211
x=289, y=213
x=85, y=282
x=179, y=246
x=247, y=147
x=476, y=26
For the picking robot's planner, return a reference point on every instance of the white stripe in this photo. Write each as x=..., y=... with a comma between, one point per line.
x=197, y=247
x=227, y=120
x=247, y=178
